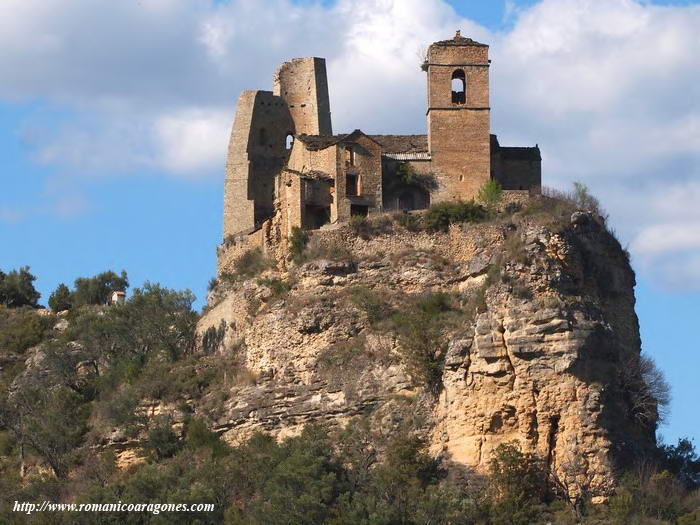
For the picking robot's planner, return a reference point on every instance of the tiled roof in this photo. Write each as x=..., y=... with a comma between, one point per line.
x=389, y=143
x=316, y=142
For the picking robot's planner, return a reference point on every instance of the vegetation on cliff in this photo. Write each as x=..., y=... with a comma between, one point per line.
x=127, y=402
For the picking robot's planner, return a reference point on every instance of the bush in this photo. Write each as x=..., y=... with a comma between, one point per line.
x=98, y=289
x=251, y=263
x=518, y=484
x=278, y=287
x=60, y=299
x=297, y=242
x=682, y=461
x=405, y=176
x=490, y=194
x=439, y=216
x=161, y=441
x=20, y=330
x=198, y=435
x=325, y=249
x=423, y=345
x=17, y=289
x=371, y=303
x=408, y=221
x=360, y=226
x=646, y=390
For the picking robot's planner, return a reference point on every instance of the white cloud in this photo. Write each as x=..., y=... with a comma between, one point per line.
x=193, y=140
x=668, y=238
x=610, y=89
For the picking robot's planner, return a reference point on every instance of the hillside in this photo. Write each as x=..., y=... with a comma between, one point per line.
x=450, y=366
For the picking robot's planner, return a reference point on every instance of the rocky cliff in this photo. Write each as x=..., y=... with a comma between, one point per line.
x=521, y=329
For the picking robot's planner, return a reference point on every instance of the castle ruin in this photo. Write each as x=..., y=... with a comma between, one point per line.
x=286, y=168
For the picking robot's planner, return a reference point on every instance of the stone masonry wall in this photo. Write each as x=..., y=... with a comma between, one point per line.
x=303, y=84
x=256, y=153
x=458, y=134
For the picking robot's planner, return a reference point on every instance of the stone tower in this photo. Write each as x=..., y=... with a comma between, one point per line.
x=458, y=116
x=259, y=145
x=303, y=84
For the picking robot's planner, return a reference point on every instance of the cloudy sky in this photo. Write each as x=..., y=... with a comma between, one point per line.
x=114, y=117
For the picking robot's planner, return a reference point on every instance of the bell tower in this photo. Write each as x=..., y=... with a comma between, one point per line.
x=459, y=116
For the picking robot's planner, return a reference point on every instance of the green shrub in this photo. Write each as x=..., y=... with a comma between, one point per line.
x=409, y=221
x=198, y=435
x=98, y=289
x=423, y=345
x=17, y=289
x=279, y=287
x=490, y=194
x=439, y=216
x=518, y=485
x=60, y=299
x=360, y=226
x=161, y=441
x=340, y=355
x=405, y=176
x=22, y=329
x=326, y=249
x=297, y=242
x=371, y=303
x=8, y=443
x=251, y=263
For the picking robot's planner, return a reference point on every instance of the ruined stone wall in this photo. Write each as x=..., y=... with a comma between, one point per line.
x=256, y=153
x=458, y=133
x=304, y=160
x=391, y=192
x=368, y=168
x=303, y=84
x=519, y=174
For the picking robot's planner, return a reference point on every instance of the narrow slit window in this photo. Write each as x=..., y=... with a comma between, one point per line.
x=263, y=137
x=459, y=87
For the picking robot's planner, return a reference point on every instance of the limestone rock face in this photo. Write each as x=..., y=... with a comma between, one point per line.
x=535, y=357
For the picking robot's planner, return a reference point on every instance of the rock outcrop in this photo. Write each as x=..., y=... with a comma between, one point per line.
x=541, y=333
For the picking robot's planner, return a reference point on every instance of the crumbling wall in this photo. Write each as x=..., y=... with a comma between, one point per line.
x=303, y=84
x=256, y=154
x=367, y=168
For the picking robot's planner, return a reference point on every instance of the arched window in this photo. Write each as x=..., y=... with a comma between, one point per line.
x=263, y=137
x=459, y=87
x=289, y=141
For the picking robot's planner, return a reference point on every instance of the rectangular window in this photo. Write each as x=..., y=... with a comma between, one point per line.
x=351, y=183
x=349, y=156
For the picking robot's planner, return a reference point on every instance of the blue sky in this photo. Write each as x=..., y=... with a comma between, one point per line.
x=114, y=118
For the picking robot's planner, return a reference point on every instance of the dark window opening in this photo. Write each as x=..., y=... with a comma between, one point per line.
x=407, y=201
x=263, y=136
x=352, y=185
x=356, y=209
x=317, y=216
x=459, y=87
x=289, y=141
